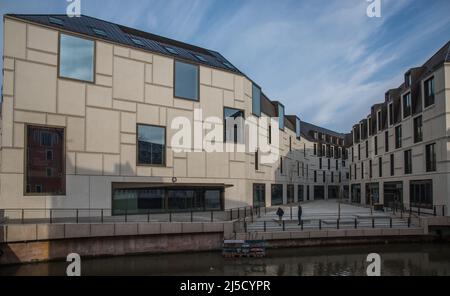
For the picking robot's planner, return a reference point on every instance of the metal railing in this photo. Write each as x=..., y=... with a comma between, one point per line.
x=80, y=215
x=416, y=209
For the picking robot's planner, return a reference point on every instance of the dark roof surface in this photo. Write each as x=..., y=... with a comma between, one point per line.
x=307, y=127
x=121, y=34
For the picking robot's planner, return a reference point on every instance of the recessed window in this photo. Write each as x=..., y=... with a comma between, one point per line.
x=430, y=154
x=44, y=175
x=171, y=50
x=186, y=81
x=398, y=137
x=421, y=193
x=391, y=114
x=99, y=32
x=392, y=164
x=386, y=141
x=277, y=194
x=49, y=155
x=429, y=92
x=137, y=41
x=406, y=105
x=418, y=136
x=259, y=195
x=234, y=126
x=256, y=100
x=200, y=58
x=56, y=21
x=151, y=141
x=76, y=59
x=408, y=162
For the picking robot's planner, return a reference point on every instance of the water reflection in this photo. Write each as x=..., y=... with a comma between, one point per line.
x=400, y=259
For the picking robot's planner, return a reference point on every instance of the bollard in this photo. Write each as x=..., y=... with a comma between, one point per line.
x=192, y=216
x=148, y=216
x=23, y=216
x=231, y=214
x=264, y=226
x=373, y=222
x=337, y=224
x=320, y=224
x=284, y=226
x=301, y=224
x=102, y=216
x=291, y=212
x=77, y=216
x=434, y=210
x=126, y=215
x=212, y=216
x=356, y=223
x=245, y=226
x=390, y=222
x=170, y=216
x=409, y=222
x=51, y=219
x=443, y=211
x=239, y=215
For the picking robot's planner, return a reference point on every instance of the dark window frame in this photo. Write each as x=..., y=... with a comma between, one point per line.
x=164, y=164
x=174, y=80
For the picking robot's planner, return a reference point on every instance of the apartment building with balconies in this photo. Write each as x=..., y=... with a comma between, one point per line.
x=400, y=154
x=90, y=110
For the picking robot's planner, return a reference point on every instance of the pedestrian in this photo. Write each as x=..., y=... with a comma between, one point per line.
x=300, y=212
x=280, y=214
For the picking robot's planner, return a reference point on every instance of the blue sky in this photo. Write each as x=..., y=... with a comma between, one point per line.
x=324, y=59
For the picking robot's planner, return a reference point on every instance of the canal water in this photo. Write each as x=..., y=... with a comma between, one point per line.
x=397, y=259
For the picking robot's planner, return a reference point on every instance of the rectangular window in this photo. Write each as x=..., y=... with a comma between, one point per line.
x=151, y=143
x=290, y=144
x=429, y=92
x=392, y=164
x=256, y=100
x=391, y=114
x=290, y=193
x=359, y=151
x=430, y=157
x=281, y=116
x=329, y=164
x=386, y=141
x=332, y=177
x=375, y=142
x=270, y=134
x=380, y=124
x=418, y=136
x=398, y=137
x=259, y=195
x=281, y=165
x=315, y=149
x=320, y=163
x=421, y=193
x=300, y=193
x=298, y=128
x=406, y=105
x=315, y=176
x=45, y=175
x=324, y=178
x=234, y=127
x=362, y=170
x=367, y=149
x=76, y=58
x=370, y=168
x=380, y=167
x=277, y=194
x=256, y=160
x=408, y=162
x=186, y=81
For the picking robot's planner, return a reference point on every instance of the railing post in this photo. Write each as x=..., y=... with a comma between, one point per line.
x=356, y=223
x=390, y=222
x=284, y=225
x=245, y=212
x=239, y=214
x=245, y=226
x=265, y=226
x=418, y=210
x=301, y=224
x=231, y=214
x=291, y=211
x=170, y=216
x=148, y=216
x=337, y=224
x=126, y=215
x=265, y=210
x=22, y=217
x=77, y=215
x=373, y=222
x=320, y=224
x=102, y=216
x=51, y=218
x=192, y=216
x=434, y=210
x=443, y=210
x=212, y=216
x=409, y=222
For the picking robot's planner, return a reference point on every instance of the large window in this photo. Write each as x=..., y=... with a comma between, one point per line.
x=406, y=105
x=398, y=137
x=234, y=128
x=375, y=144
x=277, y=194
x=137, y=198
x=151, y=142
x=256, y=100
x=290, y=193
x=76, y=58
x=380, y=167
x=429, y=92
x=386, y=141
x=186, y=81
x=418, y=137
x=300, y=191
x=45, y=161
x=408, y=162
x=421, y=193
x=392, y=164
x=259, y=195
x=430, y=157
x=391, y=114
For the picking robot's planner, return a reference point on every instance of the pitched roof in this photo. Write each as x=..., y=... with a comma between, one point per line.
x=87, y=25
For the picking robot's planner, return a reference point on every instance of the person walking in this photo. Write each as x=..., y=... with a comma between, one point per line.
x=280, y=214
x=299, y=213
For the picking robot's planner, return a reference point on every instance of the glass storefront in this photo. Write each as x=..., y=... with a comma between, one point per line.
x=319, y=192
x=259, y=195
x=142, y=200
x=393, y=194
x=372, y=193
x=356, y=193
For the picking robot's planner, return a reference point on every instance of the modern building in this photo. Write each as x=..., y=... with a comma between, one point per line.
x=400, y=152
x=90, y=111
